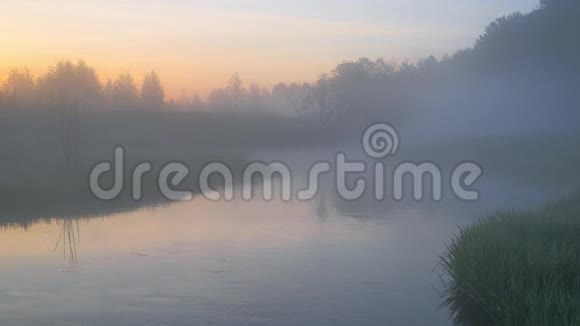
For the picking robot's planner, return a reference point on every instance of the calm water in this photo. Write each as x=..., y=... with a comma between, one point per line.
x=323, y=262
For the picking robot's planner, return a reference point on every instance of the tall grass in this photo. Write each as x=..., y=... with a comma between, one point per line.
x=517, y=268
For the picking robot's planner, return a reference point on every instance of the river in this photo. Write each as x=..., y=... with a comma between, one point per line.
x=321, y=262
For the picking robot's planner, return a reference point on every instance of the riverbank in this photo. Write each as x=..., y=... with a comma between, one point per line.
x=517, y=268
x=46, y=156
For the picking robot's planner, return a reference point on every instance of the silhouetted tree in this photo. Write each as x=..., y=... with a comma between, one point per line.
x=19, y=89
x=66, y=84
x=108, y=94
x=236, y=91
x=124, y=92
x=428, y=65
x=152, y=92
x=546, y=37
x=70, y=88
x=362, y=87
x=255, y=99
x=325, y=99
x=298, y=96
x=230, y=98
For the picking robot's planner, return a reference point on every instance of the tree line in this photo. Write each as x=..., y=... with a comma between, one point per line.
x=68, y=83
x=534, y=44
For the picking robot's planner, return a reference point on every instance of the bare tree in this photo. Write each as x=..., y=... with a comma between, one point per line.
x=236, y=91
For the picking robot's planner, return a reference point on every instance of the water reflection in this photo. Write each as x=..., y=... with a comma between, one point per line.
x=324, y=262
x=25, y=208
x=65, y=217
x=68, y=238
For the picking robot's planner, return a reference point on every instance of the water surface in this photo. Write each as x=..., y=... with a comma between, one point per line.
x=321, y=262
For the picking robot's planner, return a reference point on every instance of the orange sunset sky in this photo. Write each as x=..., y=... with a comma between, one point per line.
x=196, y=45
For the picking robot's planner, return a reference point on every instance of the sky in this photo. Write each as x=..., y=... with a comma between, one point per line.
x=196, y=45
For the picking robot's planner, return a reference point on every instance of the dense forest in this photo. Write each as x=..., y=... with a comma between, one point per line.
x=524, y=65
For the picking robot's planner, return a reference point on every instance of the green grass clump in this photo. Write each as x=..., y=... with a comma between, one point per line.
x=517, y=268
